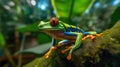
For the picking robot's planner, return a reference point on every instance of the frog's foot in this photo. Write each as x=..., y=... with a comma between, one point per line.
x=99, y=34
x=92, y=36
x=49, y=52
x=89, y=36
x=69, y=57
x=59, y=45
x=67, y=49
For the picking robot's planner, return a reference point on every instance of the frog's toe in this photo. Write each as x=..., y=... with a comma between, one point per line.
x=63, y=51
x=99, y=34
x=46, y=56
x=49, y=52
x=69, y=57
x=67, y=49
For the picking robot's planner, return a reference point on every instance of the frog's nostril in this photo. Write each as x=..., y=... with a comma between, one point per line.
x=40, y=26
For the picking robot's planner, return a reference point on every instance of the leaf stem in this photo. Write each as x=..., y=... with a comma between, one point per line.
x=21, y=49
x=9, y=56
x=71, y=9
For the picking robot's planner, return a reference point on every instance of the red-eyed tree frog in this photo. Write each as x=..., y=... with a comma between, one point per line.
x=59, y=30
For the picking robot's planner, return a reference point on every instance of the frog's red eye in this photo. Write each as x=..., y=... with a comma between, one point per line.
x=54, y=21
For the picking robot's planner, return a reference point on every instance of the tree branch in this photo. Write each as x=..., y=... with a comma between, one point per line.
x=104, y=51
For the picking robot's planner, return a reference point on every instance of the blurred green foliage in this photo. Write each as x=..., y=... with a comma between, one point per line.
x=115, y=16
x=2, y=40
x=40, y=49
x=29, y=28
x=43, y=38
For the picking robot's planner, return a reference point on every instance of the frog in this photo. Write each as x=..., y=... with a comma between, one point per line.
x=67, y=33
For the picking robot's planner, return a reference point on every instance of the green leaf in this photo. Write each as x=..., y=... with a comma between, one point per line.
x=71, y=8
x=43, y=38
x=30, y=28
x=40, y=49
x=2, y=40
x=115, y=16
x=65, y=20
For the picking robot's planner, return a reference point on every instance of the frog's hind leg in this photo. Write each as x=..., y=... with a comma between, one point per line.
x=77, y=44
x=91, y=35
x=100, y=34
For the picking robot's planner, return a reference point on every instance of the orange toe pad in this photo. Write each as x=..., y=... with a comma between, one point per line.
x=46, y=56
x=69, y=57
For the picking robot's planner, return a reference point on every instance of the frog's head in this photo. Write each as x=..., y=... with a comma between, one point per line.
x=53, y=24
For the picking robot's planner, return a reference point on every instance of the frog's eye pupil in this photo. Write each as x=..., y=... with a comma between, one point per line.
x=54, y=21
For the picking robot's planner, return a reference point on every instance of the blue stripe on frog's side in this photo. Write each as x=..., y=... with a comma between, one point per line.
x=73, y=31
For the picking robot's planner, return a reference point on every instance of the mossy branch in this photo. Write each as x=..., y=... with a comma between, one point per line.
x=104, y=51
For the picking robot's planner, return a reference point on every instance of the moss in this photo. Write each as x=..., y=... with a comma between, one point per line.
x=55, y=59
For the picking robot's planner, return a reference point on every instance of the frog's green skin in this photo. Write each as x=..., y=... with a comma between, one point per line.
x=65, y=32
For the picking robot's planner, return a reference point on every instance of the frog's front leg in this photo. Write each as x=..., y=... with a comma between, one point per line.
x=62, y=43
x=51, y=49
x=54, y=47
x=77, y=44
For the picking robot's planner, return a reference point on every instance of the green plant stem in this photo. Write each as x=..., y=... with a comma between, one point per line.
x=21, y=48
x=19, y=60
x=88, y=7
x=9, y=56
x=71, y=9
x=0, y=24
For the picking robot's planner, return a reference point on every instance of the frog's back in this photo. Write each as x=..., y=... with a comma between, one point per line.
x=72, y=28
